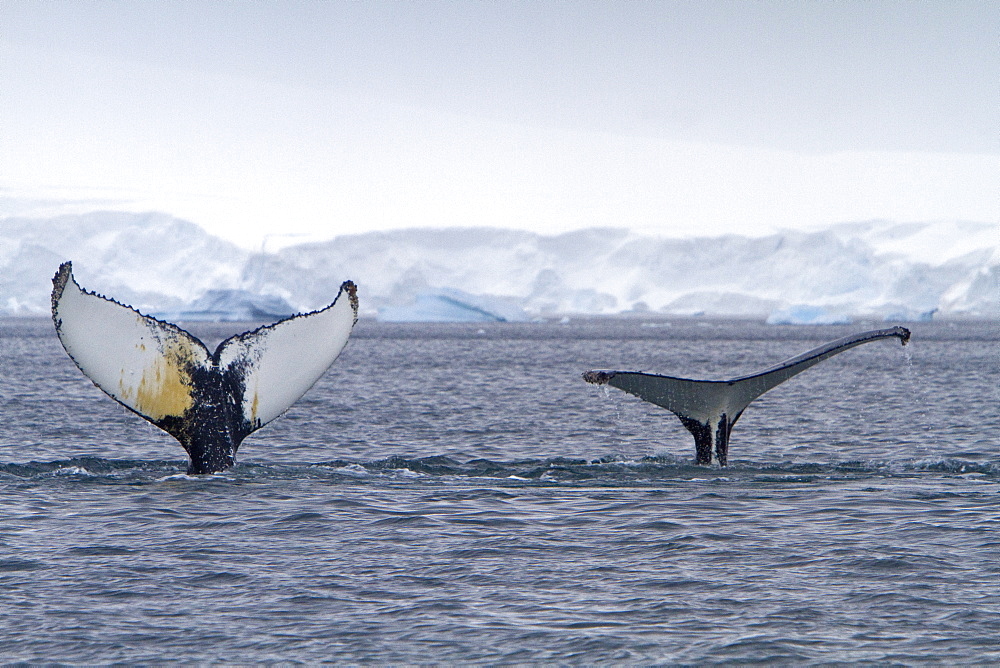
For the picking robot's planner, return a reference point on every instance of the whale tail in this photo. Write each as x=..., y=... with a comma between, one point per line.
x=208, y=401
x=710, y=408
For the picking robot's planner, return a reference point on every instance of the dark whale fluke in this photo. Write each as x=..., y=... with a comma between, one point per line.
x=710, y=408
x=209, y=402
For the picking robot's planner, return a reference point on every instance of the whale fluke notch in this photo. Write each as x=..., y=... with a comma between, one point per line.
x=710, y=408
x=208, y=401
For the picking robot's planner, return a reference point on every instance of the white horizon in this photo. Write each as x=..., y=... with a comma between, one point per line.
x=672, y=119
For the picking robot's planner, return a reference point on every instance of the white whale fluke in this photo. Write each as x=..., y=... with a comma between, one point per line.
x=710, y=408
x=208, y=401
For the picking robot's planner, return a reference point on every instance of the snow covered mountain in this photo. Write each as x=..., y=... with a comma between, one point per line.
x=150, y=261
x=873, y=269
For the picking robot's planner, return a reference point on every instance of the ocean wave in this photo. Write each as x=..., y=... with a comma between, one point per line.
x=611, y=471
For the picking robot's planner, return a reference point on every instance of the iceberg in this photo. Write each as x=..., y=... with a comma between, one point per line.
x=803, y=314
x=904, y=314
x=231, y=306
x=449, y=305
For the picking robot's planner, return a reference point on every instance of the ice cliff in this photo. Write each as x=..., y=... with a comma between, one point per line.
x=163, y=265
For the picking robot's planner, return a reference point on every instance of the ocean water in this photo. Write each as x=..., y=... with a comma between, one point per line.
x=457, y=494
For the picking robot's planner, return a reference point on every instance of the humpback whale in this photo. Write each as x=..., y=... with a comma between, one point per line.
x=208, y=401
x=710, y=408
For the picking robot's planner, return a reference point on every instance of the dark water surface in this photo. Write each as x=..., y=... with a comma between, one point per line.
x=457, y=494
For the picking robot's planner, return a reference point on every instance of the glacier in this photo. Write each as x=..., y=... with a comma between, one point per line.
x=872, y=270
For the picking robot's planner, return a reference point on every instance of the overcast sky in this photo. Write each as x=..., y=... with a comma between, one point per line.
x=257, y=118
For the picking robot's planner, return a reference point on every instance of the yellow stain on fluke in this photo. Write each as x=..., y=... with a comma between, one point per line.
x=165, y=386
